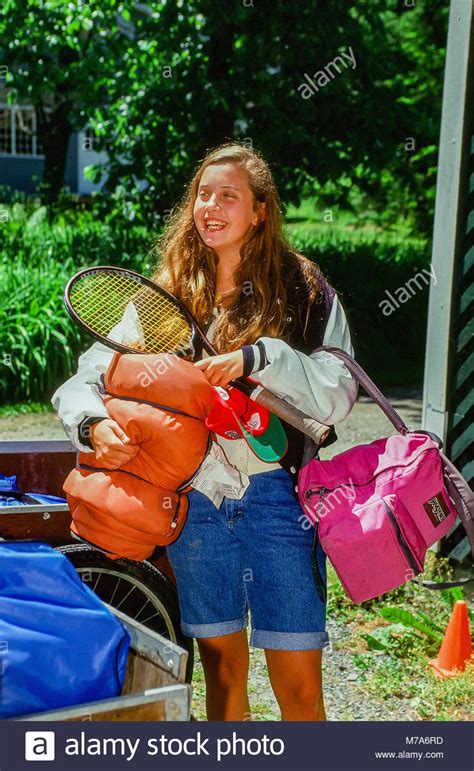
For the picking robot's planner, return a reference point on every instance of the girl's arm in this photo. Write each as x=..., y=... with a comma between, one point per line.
x=78, y=398
x=78, y=401
x=320, y=384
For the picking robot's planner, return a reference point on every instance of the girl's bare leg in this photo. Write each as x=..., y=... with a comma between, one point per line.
x=226, y=668
x=296, y=679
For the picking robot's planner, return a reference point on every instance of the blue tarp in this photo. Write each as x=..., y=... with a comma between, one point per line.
x=10, y=495
x=59, y=644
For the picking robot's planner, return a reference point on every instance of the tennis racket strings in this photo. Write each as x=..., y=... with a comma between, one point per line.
x=119, y=307
x=130, y=313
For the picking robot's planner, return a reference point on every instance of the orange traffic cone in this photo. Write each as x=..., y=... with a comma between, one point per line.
x=456, y=648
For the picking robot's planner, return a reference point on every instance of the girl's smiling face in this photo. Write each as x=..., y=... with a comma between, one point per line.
x=224, y=208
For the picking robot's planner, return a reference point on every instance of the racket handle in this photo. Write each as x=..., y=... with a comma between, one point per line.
x=292, y=415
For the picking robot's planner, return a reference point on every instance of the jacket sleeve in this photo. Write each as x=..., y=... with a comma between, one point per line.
x=78, y=398
x=319, y=384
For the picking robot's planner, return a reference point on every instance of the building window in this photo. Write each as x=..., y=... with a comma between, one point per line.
x=18, y=135
x=5, y=131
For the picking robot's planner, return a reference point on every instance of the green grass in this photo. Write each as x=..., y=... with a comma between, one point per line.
x=39, y=344
x=399, y=671
x=411, y=680
x=313, y=216
x=25, y=408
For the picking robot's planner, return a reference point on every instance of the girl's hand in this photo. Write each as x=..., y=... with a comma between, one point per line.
x=111, y=444
x=220, y=370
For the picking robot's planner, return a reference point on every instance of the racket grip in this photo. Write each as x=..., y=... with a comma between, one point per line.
x=292, y=415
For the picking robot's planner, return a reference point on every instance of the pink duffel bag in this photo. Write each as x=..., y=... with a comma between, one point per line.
x=379, y=506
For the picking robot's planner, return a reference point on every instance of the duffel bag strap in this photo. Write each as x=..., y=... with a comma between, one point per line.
x=317, y=577
x=368, y=384
x=437, y=585
x=461, y=495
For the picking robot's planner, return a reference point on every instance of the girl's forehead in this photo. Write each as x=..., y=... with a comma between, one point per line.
x=220, y=175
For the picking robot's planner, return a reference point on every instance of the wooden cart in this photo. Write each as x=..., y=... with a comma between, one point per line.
x=145, y=591
x=154, y=687
x=160, y=657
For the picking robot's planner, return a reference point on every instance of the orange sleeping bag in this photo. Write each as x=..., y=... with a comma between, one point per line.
x=161, y=402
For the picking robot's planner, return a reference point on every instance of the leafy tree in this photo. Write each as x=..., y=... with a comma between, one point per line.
x=164, y=81
x=221, y=71
x=61, y=57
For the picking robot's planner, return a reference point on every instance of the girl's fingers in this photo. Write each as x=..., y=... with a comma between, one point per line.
x=224, y=380
x=120, y=434
x=221, y=379
x=212, y=370
x=220, y=370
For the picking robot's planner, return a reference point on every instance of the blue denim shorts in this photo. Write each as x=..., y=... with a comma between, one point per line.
x=258, y=553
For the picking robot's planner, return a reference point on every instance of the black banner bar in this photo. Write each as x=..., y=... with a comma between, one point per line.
x=86, y=746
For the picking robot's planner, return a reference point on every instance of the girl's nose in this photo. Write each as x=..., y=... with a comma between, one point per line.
x=212, y=202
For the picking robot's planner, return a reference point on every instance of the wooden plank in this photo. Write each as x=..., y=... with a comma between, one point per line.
x=168, y=658
x=37, y=470
x=40, y=508
x=27, y=446
x=37, y=526
x=167, y=703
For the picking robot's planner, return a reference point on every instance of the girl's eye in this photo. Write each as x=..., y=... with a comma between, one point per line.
x=228, y=195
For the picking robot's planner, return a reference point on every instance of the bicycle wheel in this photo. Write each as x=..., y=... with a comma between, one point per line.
x=138, y=589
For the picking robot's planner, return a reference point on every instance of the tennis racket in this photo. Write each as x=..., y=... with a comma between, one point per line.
x=131, y=314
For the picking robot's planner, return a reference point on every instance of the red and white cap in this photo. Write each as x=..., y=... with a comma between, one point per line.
x=235, y=416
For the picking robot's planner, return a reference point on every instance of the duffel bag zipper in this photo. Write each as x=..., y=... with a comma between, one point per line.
x=318, y=490
x=315, y=490
x=321, y=491
x=401, y=540
x=174, y=521
x=321, y=502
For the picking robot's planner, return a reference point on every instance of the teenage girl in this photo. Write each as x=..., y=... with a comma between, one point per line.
x=266, y=309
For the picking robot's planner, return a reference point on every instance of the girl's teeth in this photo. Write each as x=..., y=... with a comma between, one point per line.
x=215, y=225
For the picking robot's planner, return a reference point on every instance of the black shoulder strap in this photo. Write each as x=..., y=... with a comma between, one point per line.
x=437, y=585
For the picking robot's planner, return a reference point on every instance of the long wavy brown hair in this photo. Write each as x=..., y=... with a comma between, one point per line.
x=187, y=266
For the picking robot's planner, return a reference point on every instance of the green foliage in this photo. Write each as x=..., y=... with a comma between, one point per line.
x=162, y=82
x=25, y=408
x=411, y=682
x=35, y=348
x=39, y=344
x=400, y=638
x=394, y=636
x=61, y=57
x=37, y=257
x=363, y=267
x=395, y=640
x=413, y=621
